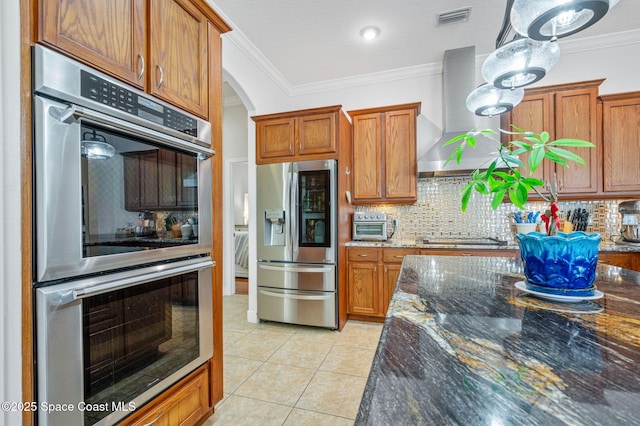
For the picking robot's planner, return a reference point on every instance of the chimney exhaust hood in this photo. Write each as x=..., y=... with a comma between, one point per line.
x=458, y=80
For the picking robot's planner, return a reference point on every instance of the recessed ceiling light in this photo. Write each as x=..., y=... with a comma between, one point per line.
x=369, y=33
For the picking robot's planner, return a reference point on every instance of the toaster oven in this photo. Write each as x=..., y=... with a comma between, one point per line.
x=370, y=226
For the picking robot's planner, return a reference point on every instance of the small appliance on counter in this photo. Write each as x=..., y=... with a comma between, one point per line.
x=630, y=228
x=369, y=226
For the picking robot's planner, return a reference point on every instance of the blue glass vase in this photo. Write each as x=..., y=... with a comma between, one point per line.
x=563, y=264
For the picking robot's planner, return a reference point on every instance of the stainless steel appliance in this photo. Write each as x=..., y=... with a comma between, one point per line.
x=108, y=344
x=630, y=229
x=370, y=226
x=122, y=214
x=91, y=210
x=297, y=242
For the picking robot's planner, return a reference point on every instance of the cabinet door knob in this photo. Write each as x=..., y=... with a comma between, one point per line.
x=161, y=76
x=141, y=73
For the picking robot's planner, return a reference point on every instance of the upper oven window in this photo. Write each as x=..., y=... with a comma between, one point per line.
x=136, y=195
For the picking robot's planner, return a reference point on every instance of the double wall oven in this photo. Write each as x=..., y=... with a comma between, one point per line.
x=122, y=214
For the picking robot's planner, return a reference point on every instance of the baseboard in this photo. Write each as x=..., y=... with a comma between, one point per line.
x=252, y=316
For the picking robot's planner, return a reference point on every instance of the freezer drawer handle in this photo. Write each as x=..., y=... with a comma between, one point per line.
x=296, y=268
x=295, y=296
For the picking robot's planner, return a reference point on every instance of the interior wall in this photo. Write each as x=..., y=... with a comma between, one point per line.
x=240, y=176
x=10, y=193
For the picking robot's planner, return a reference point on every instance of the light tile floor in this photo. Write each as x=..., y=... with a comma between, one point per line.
x=280, y=374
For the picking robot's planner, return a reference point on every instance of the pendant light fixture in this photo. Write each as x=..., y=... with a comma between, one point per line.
x=487, y=100
x=553, y=19
x=95, y=146
x=520, y=63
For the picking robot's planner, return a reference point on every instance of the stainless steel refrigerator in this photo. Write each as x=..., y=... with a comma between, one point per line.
x=297, y=242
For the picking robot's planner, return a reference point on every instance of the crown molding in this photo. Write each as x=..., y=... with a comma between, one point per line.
x=251, y=51
x=599, y=42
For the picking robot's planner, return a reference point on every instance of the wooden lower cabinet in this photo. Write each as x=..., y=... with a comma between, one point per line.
x=184, y=404
x=372, y=277
x=626, y=260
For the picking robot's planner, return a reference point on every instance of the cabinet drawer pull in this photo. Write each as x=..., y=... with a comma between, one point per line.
x=161, y=76
x=363, y=255
x=141, y=73
x=154, y=420
x=398, y=256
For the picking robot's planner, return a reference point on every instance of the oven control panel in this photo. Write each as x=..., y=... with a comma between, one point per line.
x=116, y=96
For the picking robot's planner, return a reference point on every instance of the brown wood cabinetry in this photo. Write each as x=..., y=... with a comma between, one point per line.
x=310, y=134
x=469, y=252
x=159, y=179
x=384, y=154
x=621, y=143
x=372, y=277
x=392, y=263
x=184, y=404
x=626, y=260
x=565, y=111
x=364, y=283
x=159, y=46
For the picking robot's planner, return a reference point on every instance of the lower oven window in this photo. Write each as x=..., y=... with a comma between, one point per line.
x=135, y=337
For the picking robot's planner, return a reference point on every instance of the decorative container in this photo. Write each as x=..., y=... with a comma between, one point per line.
x=563, y=264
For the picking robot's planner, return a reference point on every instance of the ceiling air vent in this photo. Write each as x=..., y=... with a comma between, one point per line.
x=453, y=16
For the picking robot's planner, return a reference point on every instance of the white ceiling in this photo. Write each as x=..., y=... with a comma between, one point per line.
x=307, y=42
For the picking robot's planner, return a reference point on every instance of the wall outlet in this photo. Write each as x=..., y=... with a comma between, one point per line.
x=394, y=222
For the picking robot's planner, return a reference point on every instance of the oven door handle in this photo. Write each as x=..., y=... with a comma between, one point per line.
x=139, y=127
x=131, y=281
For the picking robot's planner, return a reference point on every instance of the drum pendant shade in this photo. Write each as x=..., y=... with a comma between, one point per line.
x=553, y=19
x=520, y=63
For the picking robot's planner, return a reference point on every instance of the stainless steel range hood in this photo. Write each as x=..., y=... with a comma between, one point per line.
x=458, y=80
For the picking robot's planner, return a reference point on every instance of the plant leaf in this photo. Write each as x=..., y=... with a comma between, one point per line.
x=535, y=159
x=497, y=199
x=572, y=142
x=533, y=181
x=466, y=196
x=567, y=154
x=544, y=137
x=555, y=158
x=455, y=139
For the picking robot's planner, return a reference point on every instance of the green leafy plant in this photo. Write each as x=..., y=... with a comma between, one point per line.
x=508, y=175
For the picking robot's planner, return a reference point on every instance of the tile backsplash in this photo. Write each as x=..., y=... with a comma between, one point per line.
x=437, y=214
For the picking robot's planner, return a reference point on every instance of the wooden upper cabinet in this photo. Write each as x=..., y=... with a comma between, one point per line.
x=576, y=117
x=109, y=35
x=367, y=157
x=384, y=154
x=565, y=111
x=533, y=114
x=400, y=154
x=178, y=58
x=311, y=134
x=159, y=46
x=317, y=134
x=621, y=142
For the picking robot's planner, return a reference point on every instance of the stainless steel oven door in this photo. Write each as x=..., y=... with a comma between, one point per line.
x=107, y=345
x=83, y=222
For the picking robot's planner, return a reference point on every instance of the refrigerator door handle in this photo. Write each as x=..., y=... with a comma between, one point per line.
x=294, y=204
x=296, y=296
x=291, y=268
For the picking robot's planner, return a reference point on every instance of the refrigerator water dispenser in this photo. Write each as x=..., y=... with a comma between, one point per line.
x=274, y=230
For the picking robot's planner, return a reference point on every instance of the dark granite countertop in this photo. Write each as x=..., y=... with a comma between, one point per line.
x=462, y=346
